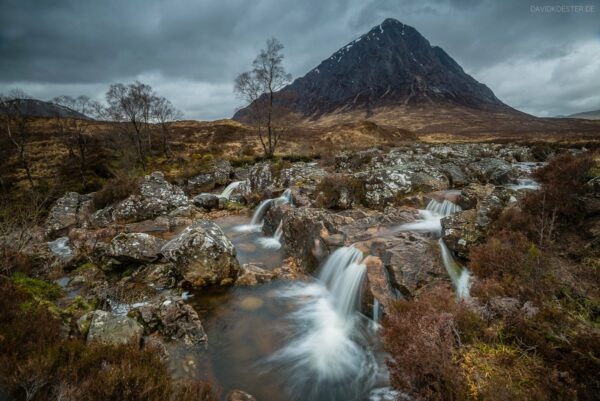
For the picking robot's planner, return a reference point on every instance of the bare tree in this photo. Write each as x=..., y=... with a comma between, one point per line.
x=131, y=103
x=74, y=130
x=16, y=127
x=164, y=113
x=259, y=88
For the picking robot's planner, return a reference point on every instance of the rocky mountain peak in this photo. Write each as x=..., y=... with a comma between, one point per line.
x=390, y=65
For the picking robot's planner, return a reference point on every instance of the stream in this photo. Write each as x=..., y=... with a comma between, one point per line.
x=302, y=340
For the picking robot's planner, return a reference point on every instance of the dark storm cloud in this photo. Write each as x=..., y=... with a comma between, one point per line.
x=544, y=63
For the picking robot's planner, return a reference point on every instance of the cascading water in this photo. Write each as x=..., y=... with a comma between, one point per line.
x=430, y=218
x=431, y=223
x=328, y=357
x=230, y=188
x=458, y=274
x=258, y=217
x=273, y=242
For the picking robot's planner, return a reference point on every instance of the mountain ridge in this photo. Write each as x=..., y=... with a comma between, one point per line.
x=390, y=65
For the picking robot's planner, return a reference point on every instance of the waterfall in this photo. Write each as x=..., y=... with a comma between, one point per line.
x=430, y=222
x=444, y=208
x=230, y=188
x=258, y=217
x=459, y=275
x=327, y=358
x=430, y=218
x=273, y=242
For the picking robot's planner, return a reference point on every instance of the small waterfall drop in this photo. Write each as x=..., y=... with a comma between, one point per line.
x=431, y=216
x=458, y=274
x=430, y=222
x=230, y=188
x=327, y=357
x=273, y=242
x=258, y=217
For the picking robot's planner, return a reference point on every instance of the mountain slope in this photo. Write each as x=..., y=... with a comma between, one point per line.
x=587, y=115
x=391, y=65
x=39, y=108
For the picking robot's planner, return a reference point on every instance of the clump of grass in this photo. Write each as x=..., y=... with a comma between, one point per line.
x=39, y=289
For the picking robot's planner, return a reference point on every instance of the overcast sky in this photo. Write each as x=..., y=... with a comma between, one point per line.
x=544, y=62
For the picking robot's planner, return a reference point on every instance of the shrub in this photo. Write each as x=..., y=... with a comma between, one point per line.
x=563, y=181
x=37, y=362
x=510, y=260
x=421, y=337
x=115, y=190
x=565, y=345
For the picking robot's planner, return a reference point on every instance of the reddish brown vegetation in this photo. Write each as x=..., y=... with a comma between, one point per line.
x=37, y=362
x=422, y=337
x=114, y=190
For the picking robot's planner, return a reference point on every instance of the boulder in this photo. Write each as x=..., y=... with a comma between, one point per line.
x=253, y=274
x=203, y=255
x=377, y=293
x=206, y=201
x=159, y=276
x=307, y=232
x=68, y=212
x=491, y=170
x=175, y=320
x=201, y=182
x=222, y=172
x=157, y=197
x=111, y=329
x=383, y=186
x=472, y=194
x=460, y=232
x=261, y=177
x=413, y=263
x=301, y=175
x=136, y=247
x=490, y=207
x=455, y=175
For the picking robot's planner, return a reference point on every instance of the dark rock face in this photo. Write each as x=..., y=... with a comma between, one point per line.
x=392, y=64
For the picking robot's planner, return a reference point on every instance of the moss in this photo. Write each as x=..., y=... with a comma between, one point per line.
x=85, y=267
x=234, y=206
x=40, y=290
x=494, y=371
x=78, y=306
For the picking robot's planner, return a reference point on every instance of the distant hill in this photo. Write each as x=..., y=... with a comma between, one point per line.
x=40, y=108
x=587, y=115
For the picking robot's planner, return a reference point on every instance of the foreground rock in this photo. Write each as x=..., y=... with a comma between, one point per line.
x=136, y=247
x=206, y=201
x=108, y=328
x=68, y=212
x=203, y=255
x=156, y=197
x=252, y=274
x=174, y=320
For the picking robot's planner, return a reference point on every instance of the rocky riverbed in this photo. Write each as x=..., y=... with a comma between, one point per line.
x=188, y=270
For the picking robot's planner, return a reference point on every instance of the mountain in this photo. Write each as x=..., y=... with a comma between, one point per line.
x=39, y=108
x=587, y=115
x=391, y=65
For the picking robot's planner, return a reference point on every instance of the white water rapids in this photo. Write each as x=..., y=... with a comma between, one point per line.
x=329, y=357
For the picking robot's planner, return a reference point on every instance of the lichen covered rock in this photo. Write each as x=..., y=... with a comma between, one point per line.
x=203, y=255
